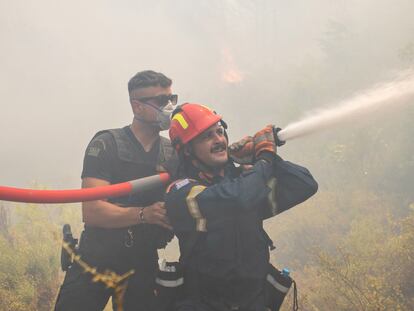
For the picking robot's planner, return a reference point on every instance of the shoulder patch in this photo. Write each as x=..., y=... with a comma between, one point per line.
x=93, y=151
x=181, y=183
x=178, y=184
x=95, y=147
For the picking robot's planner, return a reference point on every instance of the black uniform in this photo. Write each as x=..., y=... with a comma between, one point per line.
x=117, y=156
x=219, y=224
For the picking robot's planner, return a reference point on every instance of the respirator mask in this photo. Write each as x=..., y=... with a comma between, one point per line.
x=164, y=106
x=164, y=116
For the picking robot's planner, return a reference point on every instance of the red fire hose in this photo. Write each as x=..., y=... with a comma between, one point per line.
x=86, y=194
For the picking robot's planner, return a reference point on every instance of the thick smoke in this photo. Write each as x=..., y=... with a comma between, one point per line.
x=65, y=66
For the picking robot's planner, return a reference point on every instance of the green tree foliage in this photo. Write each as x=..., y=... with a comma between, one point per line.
x=371, y=269
x=30, y=241
x=369, y=266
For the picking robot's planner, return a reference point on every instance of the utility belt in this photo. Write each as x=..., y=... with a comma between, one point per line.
x=128, y=237
x=144, y=235
x=170, y=287
x=115, y=249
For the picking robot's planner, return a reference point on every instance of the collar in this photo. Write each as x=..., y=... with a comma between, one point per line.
x=208, y=178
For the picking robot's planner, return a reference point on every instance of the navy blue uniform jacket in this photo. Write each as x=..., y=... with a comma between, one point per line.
x=226, y=217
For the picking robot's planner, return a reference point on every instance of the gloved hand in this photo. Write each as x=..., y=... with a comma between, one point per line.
x=242, y=151
x=264, y=141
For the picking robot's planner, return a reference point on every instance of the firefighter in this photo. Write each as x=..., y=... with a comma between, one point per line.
x=124, y=233
x=217, y=210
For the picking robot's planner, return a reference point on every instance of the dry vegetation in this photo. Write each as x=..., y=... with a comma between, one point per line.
x=349, y=247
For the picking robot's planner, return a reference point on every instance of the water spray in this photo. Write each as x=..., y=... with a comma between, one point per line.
x=387, y=95
x=391, y=94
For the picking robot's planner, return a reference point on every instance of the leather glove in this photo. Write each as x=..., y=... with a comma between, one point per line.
x=264, y=141
x=242, y=151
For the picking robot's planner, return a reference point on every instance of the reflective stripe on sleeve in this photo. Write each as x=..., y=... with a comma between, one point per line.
x=276, y=284
x=271, y=197
x=193, y=208
x=170, y=283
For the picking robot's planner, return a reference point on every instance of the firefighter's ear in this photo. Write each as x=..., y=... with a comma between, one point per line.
x=137, y=106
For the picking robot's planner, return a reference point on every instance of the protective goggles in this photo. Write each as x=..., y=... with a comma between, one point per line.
x=160, y=101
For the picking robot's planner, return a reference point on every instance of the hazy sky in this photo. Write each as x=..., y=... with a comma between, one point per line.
x=65, y=66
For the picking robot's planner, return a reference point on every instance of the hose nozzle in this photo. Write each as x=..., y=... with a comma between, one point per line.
x=278, y=141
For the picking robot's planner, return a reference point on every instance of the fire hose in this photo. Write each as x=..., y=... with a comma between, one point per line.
x=87, y=194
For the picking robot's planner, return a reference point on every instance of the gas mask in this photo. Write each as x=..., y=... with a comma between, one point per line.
x=164, y=116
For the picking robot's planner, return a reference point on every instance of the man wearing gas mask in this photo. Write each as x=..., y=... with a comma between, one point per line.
x=124, y=233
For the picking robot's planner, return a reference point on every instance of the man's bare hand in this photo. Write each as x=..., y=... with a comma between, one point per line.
x=157, y=214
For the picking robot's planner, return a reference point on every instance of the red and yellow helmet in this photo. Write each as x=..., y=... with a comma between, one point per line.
x=190, y=120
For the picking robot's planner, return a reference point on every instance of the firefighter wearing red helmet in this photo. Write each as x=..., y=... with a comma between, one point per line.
x=190, y=120
x=217, y=211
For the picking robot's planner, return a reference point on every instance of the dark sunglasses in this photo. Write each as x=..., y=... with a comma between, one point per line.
x=159, y=101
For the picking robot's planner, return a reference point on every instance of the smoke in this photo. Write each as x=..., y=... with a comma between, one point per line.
x=65, y=66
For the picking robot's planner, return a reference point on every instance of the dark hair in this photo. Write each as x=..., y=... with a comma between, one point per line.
x=148, y=78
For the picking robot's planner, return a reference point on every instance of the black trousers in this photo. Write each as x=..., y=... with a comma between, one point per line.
x=79, y=293
x=202, y=292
